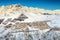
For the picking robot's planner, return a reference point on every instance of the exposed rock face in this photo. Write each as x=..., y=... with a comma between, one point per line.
x=41, y=25
x=17, y=5
x=1, y=20
x=22, y=17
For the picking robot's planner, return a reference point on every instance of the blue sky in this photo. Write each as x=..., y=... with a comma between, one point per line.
x=45, y=4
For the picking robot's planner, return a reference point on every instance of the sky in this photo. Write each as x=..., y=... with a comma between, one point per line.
x=45, y=4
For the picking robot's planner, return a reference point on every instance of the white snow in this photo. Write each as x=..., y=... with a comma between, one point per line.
x=55, y=21
x=34, y=17
x=49, y=35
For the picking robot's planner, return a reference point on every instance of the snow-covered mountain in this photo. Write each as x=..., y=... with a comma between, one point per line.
x=28, y=23
x=16, y=9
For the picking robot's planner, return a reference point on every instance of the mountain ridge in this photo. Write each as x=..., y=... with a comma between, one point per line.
x=17, y=8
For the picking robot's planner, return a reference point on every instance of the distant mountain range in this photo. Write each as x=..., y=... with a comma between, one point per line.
x=17, y=8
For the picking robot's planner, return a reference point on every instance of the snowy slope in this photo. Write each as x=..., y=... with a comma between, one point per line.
x=55, y=19
x=35, y=17
x=36, y=35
